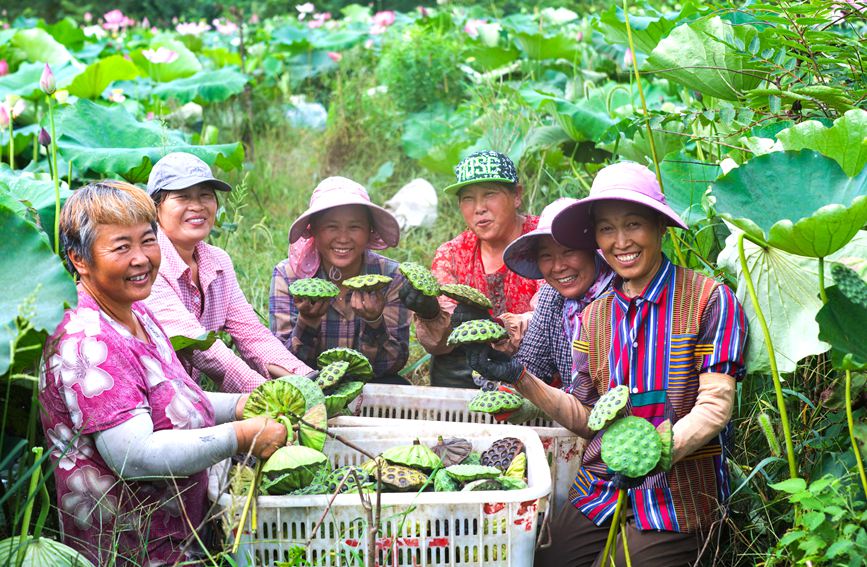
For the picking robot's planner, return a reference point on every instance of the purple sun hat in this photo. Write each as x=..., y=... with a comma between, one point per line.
x=624, y=181
x=520, y=255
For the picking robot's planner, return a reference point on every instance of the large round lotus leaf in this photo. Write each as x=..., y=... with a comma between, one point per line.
x=401, y=478
x=799, y=202
x=314, y=437
x=467, y=473
x=313, y=288
x=420, y=278
x=415, y=456
x=277, y=399
x=631, y=446
x=208, y=86
x=312, y=393
x=495, y=401
x=466, y=294
x=100, y=74
x=666, y=437
x=341, y=396
x=42, y=295
x=367, y=282
x=359, y=366
x=608, y=407
x=843, y=141
x=293, y=467
x=477, y=331
x=41, y=553
x=332, y=374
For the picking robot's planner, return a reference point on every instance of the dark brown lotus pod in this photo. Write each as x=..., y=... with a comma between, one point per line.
x=452, y=451
x=502, y=452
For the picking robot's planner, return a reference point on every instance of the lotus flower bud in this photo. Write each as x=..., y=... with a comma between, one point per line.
x=4, y=67
x=44, y=138
x=4, y=117
x=47, y=82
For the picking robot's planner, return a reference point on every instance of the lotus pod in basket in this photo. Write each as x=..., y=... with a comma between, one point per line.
x=400, y=478
x=452, y=451
x=477, y=331
x=469, y=473
x=312, y=393
x=501, y=453
x=359, y=365
x=631, y=446
x=277, y=399
x=495, y=401
x=293, y=467
x=466, y=294
x=420, y=278
x=415, y=456
x=313, y=289
x=608, y=408
x=443, y=482
x=350, y=473
x=367, y=282
x=342, y=395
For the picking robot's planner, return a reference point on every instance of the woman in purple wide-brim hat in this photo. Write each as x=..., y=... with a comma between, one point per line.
x=676, y=339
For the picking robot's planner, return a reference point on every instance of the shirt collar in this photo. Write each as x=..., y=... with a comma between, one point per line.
x=174, y=266
x=654, y=290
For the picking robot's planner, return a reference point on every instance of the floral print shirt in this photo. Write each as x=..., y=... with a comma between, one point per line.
x=97, y=375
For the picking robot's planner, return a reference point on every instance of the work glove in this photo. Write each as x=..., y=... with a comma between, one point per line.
x=425, y=306
x=493, y=364
x=464, y=313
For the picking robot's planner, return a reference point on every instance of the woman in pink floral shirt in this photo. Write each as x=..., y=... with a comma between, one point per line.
x=117, y=404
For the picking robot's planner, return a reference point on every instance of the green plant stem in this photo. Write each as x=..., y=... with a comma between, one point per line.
x=254, y=488
x=822, y=293
x=772, y=358
x=55, y=175
x=28, y=509
x=615, y=523
x=625, y=544
x=11, y=143
x=851, y=423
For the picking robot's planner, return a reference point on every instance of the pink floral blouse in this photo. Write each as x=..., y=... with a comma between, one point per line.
x=96, y=375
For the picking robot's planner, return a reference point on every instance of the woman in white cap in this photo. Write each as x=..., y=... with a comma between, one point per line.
x=197, y=291
x=676, y=340
x=334, y=239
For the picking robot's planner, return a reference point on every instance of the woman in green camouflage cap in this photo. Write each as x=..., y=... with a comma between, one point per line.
x=489, y=197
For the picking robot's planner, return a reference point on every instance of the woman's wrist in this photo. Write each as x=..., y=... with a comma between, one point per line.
x=373, y=322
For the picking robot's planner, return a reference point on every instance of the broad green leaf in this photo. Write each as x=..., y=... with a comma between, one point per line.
x=23, y=137
x=32, y=193
x=42, y=295
x=800, y=202
x=180, y=342
x=292, y=38
x=790, y=485
x=842, y=324
x=185, y=65
x=436, y=137
x=845, y=142
x=107, y=140
x=67, y=32
x=697, y=55
x=94, y=80
x=38, y=45
x=25, y=81
x=686, y=180
x=204, y=86
x=540, y=45
x=647, y=30
x=306, y=65
x=584, y=120
x=638, y=148
x=484, y=57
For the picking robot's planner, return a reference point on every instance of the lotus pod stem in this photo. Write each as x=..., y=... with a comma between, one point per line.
x=851, y=424
x=615, y=524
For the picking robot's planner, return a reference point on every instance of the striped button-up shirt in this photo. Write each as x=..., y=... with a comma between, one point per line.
x=661, y=368
x=182, y=309
x=386, y=345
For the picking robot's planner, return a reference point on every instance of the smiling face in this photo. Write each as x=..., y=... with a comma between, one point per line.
x=124, y=265
x=341, y=235
x=630, y=237
x=569, y=271
x=490, y=210
x=187, y=216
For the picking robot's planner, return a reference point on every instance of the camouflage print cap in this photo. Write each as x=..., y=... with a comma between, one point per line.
x=483, y=166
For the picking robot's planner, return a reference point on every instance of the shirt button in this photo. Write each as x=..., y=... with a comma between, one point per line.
x=635, y=390
x=635, y=344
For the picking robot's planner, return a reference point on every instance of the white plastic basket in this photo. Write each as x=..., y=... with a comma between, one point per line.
x=381, y=402
x=428, y=529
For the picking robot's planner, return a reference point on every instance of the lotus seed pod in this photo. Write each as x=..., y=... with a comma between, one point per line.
x=477, y=331
x=401, y=478
x=367, y=282
x=443, y=482
x=369, y=466
x=359, y=365
x=509, y=483
x=293, y=467
x=466, y=294
x=313, y=288
x=312, y=393
x=495, y=402
x=311, y=430
x=311, y=489
x=851, y=284
x=631, y=446
x=608, y=408
x=332, y=374
x=452, y=451
x=420, y=278
x=350, y=472
x=277, y=399
x=468, y=473
x=341, y=396
x=482, y=484
x=474, y=458
x=502, y=452
x=415, y=456
x=666, y=437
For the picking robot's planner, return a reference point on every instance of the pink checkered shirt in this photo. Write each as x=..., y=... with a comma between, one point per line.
x=182, y=310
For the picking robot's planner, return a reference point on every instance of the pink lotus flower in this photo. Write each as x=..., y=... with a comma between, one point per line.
x=579, y=36
x=4, y=67
x=422, y=11
x=150, y=116
x=227, y=28
x=116, y=21
x=160, y=55
x=192, y=28
x=471, y=27
x=381, y=21
x=305, y=9
x=13, y=106
x=44, y=137
x=47, y=82
x=627, y=58
x=335, y=56
x=117, y=96
x=88, y=17
x=319, y=20
x=145, y=23
x=254, y=19
x=4, y=117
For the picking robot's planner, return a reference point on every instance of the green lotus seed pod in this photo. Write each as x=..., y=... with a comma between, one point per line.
x=401, y=478
x=468, y=473
x=666, y=437
x=332, y=374
x=466, y=294
x=359, y=366
x=631, y=446
x=495, y=401
x=420, y=278
x=851, y=284
x=608, y=408
x=477, y=331
x=313, y=288
x=350, y=473
x=341, y=396
x=367, y=282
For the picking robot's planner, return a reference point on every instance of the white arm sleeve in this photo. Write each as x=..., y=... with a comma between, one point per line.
x=224, y=406
x=133, y=449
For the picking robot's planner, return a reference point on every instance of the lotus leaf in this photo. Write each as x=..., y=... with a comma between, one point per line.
x=631, y=446
x=185, y=65
x=510, y=483
x=41, y=552
x=452, y=451
x=25, y=81
x=38, y=45
x=277, y=399
x=293, y=467
x=608, y=407
x=311, y=489
x=332, y=374
x=474, y=458
x=99, y=75
x=647, y=29
x=477, y=331
x=415, y=456
x=518, y=467
x=206, y=341
x=401, y=478
x=207, y=86
x=466, y=294
x=443, y=482
x=502, y=452
x=312, y=393
x=32, y=191
x=841, y=323
x=495, y=402
x=420, y=278
x=337, y=401
x=814, y=217
x=367, y=282
x=845, y=141
x=468, y=473
x=313, y=288
x=686, y=181
x=359, y=366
